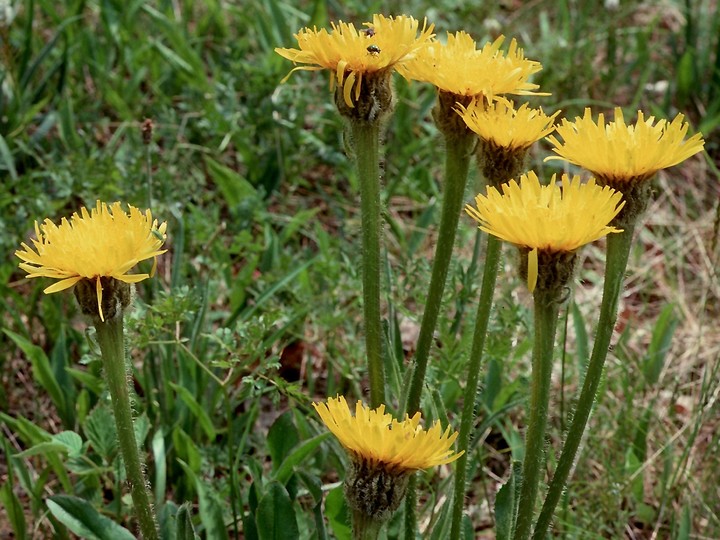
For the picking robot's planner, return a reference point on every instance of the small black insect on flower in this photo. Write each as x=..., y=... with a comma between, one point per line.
x=373, y=49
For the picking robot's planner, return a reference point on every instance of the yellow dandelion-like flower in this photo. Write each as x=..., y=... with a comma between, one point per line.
x=106, y=242
x=350, y=54
x=618, y=151
x=505, y=126
x=547, y=218
x=460, y=68
x=376, y=438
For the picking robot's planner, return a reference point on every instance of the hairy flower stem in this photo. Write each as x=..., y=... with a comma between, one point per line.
x=411, y=508
x=365, y=138
x=457, y=163
x=547, y=306
x=618, y=250
x=110, y=337
x=458, y=148
x=492, y=258
x=364, y=527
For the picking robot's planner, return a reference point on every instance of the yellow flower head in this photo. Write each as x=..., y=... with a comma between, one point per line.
x=547, y=218
x=618, y=151
x=375, y=437
x=105, y=242
x=350, y=53
x=458, y=67
x=504, y=126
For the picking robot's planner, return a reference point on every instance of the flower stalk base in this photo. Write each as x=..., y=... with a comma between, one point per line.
x=112, y=347
x=555, y=273
x=618, y=251
x=373, y=494
x=492, y=260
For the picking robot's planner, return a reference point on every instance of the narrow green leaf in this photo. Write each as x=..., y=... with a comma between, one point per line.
x=276, y=515
x=642, y=429
x=172, y=58
x=7, y=158
x=581, y=337
x=14, y=510
x=493, y=383
x=42, y=449
x=211, y=514
x=297, y=456
x=197, y=410
x=233, y=186
x=29, y=432
x=185, y=529
x=167, y=520
x=660, y=344
x=282, y=437
x=282, y=30
x=34, y=66
x=442, y=527
x=685, y=526
x=632, y=466
x=504, y=509
x=245, y=314
x=88, y=380
x=249, y=526
x=319, y=14
x=158, y=449
x=12, y=506
x=314, y=485
x=83, y=519
x=42, y=371
x=685, y=77
x=298, y=220
x=337, y=514
x=186, y=449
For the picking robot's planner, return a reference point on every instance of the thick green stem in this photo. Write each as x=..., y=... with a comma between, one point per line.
x=365, y=138
x=411, y=508
x=110, y=338
x=492, y=258
x=618, y=250
x=364, y=527
x=457, y=163
x=547, y=306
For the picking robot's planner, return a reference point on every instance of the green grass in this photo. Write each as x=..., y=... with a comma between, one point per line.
x=256, y=308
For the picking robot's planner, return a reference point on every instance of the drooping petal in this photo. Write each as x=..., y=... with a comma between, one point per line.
x=532, y=269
